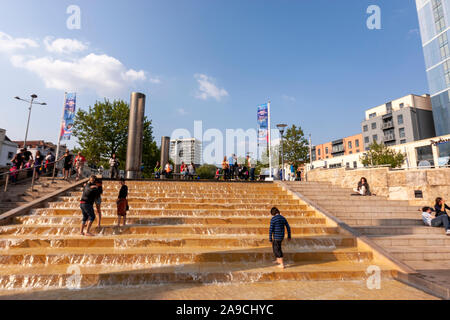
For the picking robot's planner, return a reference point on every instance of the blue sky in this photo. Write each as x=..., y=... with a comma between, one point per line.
x=210, y=60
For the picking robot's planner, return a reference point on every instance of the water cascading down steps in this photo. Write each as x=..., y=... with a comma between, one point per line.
x=177, y=232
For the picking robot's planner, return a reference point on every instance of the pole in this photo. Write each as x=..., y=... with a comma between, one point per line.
x=28, y=123
x=270, y=141
x=282, y=158
x=59, y=138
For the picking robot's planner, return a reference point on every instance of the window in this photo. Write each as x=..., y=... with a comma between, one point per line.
x=351, y=152
x=372, y=115
x=366, y=128
x=366, y=140
x=350, y=145
x=389, y=107
x=355, y=164
x=357, y=143
x=375, y=138
x=446, y=65
x=374, y=125
x=10, y=155
x=438, y=13
x=318, y=152
x=400, y=119
x=326, y=151
x=357, y=151
x=443, y=46
x=402, y=141
x=402, y=133
x=402, y=105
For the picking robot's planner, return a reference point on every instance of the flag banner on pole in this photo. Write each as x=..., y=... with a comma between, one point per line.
x=263, y=123
x=70, y=103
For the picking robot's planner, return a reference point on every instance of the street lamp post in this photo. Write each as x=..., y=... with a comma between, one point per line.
x=31, y=102
x=281, y=127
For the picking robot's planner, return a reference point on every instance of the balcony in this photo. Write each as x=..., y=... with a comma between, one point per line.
x=389, y=137
x=388, y=125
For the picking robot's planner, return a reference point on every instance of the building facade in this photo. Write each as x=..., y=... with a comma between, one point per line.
x=186, y=150
x=344, y=146
x=7, y=149
x=400, y=121
x=423, y=153
x=434, y=20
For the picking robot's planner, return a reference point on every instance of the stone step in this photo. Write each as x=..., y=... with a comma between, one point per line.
x=383, y=222
x=169, y=256
x=166, y=230
x=224, y=213
x=378, y=215
x=326, y=201
x=370, y=209
x=142, y=220
x=397, y=230
x=198, y=195
x=106, y=199
x=187, y=206
x=425, y=253
x=61, y=276
x=415, y=240
x=153, y=241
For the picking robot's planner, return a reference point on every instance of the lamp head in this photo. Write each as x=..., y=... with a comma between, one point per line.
x=18, y=98
x=34, y=96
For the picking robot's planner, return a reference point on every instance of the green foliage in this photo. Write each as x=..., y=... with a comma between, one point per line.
x=380, y=154
x=103, y=130
x=207, y=171
x=295, y=146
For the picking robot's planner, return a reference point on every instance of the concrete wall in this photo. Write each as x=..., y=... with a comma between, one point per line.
x=397, y=185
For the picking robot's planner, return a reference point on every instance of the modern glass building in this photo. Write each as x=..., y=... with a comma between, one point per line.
x=434, y=20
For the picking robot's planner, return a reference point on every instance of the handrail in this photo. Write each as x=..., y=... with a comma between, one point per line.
x=50, y=164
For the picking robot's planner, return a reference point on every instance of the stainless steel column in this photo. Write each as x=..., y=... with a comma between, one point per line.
x=135, y=136
x=165, y=147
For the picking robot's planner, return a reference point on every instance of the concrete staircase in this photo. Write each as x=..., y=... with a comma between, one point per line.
x=394, y=225
x=178, y=232
x=21, y=193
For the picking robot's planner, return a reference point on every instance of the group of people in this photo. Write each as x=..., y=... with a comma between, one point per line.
x=231, y=169
x=24, y=160
x=92, y=194
x=440, y=218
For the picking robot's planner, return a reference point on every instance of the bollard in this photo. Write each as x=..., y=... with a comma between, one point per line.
x=6, y=182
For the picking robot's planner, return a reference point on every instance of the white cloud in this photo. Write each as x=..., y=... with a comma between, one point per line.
x=155, y=80
x=64, y=45
x=288, y=98
x=182, y=112
x=102, y=73
x=207, y=88
x=9, y=44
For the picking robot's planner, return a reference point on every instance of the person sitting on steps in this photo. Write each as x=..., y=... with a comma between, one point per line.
x=363, y=188
x=441, y=207
x=438, y=221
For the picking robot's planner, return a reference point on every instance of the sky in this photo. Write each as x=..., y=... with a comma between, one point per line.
x=209, y=60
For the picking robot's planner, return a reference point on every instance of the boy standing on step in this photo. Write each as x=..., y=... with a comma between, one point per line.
x=90, y=193
x=276, y=234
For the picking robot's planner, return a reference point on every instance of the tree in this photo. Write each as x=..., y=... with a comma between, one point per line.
x=207, y=171
x=103, y=130
x=295, y=146
x=380, y=154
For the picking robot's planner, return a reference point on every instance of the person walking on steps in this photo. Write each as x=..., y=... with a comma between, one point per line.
x=114, y=166
x=277, y=235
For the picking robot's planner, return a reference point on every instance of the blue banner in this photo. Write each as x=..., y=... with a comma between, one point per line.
x=263, y=123
x=69, y=116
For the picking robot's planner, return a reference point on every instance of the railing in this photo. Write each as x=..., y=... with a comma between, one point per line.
x=389, y=137
x=388, y=125
x=52, y=170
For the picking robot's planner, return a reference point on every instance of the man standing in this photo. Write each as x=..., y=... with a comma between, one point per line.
x=114, y=166
x=251, y=166
x=79, y=165
x=231, y=164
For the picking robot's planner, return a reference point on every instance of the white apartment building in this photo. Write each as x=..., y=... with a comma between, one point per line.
x=186, y=150
x=7, y=149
